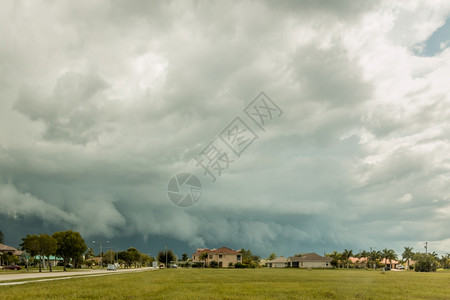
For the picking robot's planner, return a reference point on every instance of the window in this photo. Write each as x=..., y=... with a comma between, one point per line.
x=220, y=255
x=238, y=257
x=210, y=256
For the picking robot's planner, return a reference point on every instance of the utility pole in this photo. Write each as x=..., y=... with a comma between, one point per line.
x=426, y=248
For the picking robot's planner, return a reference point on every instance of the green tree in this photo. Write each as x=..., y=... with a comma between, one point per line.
x=30, y=244
x=374, y=257
x=126, y=258
x=336, y=256
x=70, y=245
x=41, y=245
x=445, y=261
x=2, y=237
x=109, y=256
x=407, y=255
x=391, y=255
x=146, y=260
x=384, y=255
x=165, y=256
x=204, y=257
x=366, y=255
x=272, y=256
x=135, y=256
x=346, y=256
x=425, y=262
x=48, y=247
x=249, y=260
x=184, y=257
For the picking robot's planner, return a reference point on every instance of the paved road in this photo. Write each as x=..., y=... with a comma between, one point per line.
x=47, y=276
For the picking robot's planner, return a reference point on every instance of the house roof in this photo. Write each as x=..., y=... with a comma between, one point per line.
x=358, y=260
x=5, y=248
x=387, y=261
x=278, y=260
x=221, y=250
x=309, y=257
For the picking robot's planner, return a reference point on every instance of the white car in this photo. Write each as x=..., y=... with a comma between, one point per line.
x=111, y=267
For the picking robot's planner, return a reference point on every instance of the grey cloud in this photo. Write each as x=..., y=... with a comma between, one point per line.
x=72, y=111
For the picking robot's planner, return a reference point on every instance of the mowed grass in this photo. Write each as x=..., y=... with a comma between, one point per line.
x=241, y=283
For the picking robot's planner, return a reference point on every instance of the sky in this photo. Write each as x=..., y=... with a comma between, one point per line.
x=105, y=106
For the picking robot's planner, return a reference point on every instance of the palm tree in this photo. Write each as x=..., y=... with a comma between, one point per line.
x=346, y=255
x=364, y=254
x=408, y=255
x=374, y=255
x=385, y=255
x=204, y=256
x=336, y=256
x=391, y=255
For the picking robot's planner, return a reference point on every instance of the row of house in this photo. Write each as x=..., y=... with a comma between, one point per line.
x=225, y=257
x=393, y=264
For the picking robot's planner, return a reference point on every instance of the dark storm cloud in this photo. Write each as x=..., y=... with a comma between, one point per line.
x=102, y=103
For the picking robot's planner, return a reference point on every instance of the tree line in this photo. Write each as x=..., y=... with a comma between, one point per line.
x=69, y=245
x=71, y=248
x=423, y=262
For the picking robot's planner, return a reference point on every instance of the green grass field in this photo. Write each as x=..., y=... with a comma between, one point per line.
x=241, y=283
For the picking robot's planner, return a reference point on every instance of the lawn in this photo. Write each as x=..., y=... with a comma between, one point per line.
x=242, y=283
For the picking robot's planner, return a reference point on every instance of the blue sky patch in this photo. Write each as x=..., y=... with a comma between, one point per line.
x=438, y=41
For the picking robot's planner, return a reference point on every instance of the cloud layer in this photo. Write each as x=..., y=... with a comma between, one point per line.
x=101, y=103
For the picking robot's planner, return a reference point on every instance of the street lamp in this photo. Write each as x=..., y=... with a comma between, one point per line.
x=101, y=253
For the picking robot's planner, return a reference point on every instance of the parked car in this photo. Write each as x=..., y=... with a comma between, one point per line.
x=13, y=267
x=111, y=267
x=174, y=266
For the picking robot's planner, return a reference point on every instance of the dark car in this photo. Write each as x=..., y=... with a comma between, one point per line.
x=13, y=267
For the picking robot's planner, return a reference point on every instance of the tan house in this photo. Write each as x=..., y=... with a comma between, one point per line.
x=279, y=262
x=223, y=256
x=309, y=260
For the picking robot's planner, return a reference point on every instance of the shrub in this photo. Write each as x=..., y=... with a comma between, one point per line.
x=425, y=263
x=214, y=264
x=239, y=265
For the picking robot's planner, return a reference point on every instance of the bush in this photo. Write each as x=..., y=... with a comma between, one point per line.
x=425, y=263
x=214, y=264
x=239, y=265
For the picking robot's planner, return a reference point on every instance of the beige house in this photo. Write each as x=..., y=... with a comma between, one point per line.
x=279, y=262
x=309, y=260
x=223, y=256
